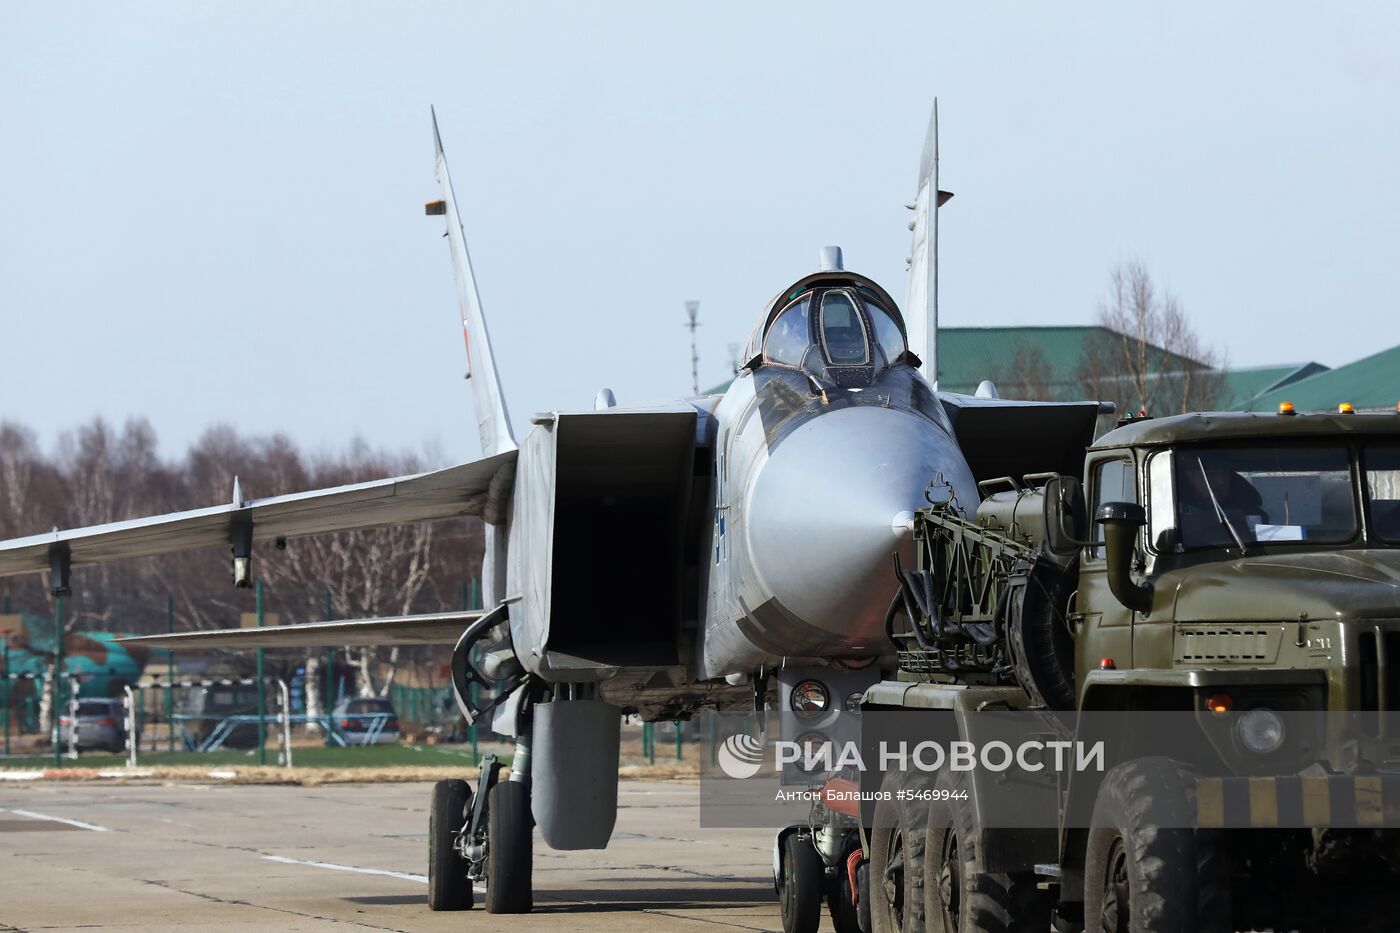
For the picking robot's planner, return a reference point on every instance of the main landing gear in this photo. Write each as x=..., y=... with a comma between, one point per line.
x=483, y=837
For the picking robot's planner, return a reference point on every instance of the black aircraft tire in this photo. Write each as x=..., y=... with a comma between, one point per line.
x=896, y=885
x=508, y=844
x=845, y=915
x=800, y=889
x=960, y=897
x=449, y=888
x=1145, y=870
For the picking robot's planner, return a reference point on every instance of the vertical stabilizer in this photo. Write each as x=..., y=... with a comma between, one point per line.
x=921, y=302
x=491, y=415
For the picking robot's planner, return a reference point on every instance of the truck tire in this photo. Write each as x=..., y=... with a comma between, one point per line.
x=896, y=884
x=1145, y=870
x=1042, y=649
x=449, y=888
x=508, y=849
x=961, y=897
x=800, y=888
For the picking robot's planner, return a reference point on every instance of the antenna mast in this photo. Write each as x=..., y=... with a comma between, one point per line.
x=692, y=310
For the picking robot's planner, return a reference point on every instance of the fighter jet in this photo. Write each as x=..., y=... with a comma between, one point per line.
x=656, y=559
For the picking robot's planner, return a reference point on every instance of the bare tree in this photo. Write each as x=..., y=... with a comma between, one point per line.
x=99, y=473
x=1027, y=377
x=1148, y=356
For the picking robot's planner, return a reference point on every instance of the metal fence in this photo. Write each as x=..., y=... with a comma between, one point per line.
x=198, y=731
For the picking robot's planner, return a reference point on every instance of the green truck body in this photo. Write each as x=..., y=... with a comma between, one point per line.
x=1235, y=576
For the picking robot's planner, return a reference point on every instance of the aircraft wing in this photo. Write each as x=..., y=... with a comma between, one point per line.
x=481, y=487
x=441, y=628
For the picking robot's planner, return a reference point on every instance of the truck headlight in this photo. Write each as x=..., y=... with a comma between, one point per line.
x=810, y=696
x=1260, y=730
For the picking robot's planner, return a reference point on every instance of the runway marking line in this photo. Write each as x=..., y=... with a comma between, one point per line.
x=58, y=819
x=421, y=879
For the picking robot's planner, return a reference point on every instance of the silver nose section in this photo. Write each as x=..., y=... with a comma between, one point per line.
x=832, y=505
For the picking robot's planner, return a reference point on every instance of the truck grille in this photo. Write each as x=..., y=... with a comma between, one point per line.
x=1202, y=644
x=1378, y=660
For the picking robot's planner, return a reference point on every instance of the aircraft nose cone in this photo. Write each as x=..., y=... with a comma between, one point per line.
x=830, y=508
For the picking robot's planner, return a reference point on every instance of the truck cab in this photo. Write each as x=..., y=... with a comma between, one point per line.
x=1243, y=543
x=1215, y=602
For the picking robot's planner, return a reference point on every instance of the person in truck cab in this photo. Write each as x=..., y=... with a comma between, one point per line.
x=1211, y=495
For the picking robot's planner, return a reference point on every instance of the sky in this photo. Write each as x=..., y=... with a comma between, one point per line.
x=213, y=212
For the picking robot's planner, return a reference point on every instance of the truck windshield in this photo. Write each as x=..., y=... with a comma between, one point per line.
x=1228, y=496
x=1382, y=465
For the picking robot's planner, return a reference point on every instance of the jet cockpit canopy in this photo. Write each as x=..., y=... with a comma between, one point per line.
x=836, y=326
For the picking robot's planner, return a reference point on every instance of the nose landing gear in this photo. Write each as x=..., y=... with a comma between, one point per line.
x=810, y=869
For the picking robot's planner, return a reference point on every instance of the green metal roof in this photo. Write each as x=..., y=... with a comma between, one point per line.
x=967, y=355
x=1244, y=386
x=1372, y=382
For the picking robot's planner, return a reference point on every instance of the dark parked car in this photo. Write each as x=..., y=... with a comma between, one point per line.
x=366, y=721
x=205, y=708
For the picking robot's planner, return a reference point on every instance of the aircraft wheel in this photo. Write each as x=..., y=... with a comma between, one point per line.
x=508, y=845
x=449, y=888
x=845, y=913
x=896, y=882
x=800, y=887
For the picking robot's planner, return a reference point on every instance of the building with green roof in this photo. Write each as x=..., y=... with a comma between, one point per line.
x=967, y=355
x=1047, y=362
x=1244, y=387
x=1369, y=383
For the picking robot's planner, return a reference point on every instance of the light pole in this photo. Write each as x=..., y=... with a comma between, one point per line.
x=262, y=687
x=329, y=702
x=56, y=678
x=5, y=677
x=170, y=672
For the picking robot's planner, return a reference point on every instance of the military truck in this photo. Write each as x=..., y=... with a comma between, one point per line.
x=1226, y=586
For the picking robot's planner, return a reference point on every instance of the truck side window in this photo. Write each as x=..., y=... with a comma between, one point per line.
x=1382, y=462
x=1113, y=482
x=1161, y=508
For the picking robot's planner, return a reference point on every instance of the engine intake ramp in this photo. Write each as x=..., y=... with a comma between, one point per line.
x=600, y=512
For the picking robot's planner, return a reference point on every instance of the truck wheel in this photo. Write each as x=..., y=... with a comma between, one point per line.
x=800, y=888
x=449, y=888
x=959, y=896
x=508, y=847
x=1145, y=869
x=896, y=862
x=1042, y=649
